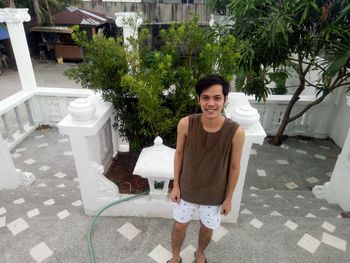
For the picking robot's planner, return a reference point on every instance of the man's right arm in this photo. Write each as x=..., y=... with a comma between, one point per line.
x=182, y=129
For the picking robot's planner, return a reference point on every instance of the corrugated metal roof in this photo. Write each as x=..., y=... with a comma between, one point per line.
x=54, y=29
x=77, y=16
x=4, y=34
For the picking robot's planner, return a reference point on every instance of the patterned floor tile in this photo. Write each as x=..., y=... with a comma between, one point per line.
x=329, y=227
x=60, y=175
x=312, y=180
x=187, y=254
x=2, y=221
x=275, y=213
x=256, y=223
x=319, y=156
x=63, y=140
x=301, y=151
x=41, y=252
x=16, y=155
x=49, y=202
x=310, y=215
x=33, y=213
x=219, y=233
x=2, y=210
x=246, y=212
x=334, y=241
x=29, y=161
x=68, y=153
x=253, y=152
x=309, y=243
x=282, y=162
x=160, y=254
x=63, y=214
x=77, y=203
x=129, y=231
x=261, y=172
x=21, y=150
x=17, y=226
x=44, y=168
x=19, y=201
x=291, y=185
x=291, y=225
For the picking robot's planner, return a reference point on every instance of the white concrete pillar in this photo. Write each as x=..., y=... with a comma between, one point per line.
x=337, y=189
x=130, y=22
x=9, y=178
x=14, y=19
x=87, y=118
x=240, y=110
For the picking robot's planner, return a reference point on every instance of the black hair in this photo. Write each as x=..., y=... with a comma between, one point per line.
x=210, y=80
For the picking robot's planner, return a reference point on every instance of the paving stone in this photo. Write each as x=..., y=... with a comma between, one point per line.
x=41, y=252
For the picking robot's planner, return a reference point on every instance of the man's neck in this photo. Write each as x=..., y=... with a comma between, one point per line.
x=212, y=125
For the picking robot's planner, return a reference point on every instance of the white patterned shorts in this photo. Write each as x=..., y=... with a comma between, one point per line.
x=210, y=215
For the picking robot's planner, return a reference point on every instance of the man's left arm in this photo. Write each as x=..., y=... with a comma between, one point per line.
x=236, y=153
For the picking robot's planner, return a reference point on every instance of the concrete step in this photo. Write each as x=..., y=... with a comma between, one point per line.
x=288, y=202
x=339, y=227
x=260, y=210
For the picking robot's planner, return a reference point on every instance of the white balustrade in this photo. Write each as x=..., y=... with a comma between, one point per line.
x=313, y=123
x=89, y=128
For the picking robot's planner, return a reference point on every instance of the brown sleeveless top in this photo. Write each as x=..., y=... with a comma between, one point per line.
x=205, y=167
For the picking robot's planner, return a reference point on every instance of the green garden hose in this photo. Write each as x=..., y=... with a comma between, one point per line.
x=89, y=233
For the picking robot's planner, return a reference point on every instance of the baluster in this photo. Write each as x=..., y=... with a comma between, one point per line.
x=7, y=128
x=19, y=120
x=29, y=113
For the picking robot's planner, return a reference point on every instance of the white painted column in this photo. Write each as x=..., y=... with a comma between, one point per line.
x=130, y=22
x=240, y=110
x=87, y=118
x=14, y=19
x=337, y=189
x=9, y=178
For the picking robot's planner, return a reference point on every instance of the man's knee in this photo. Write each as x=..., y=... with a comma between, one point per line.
x=206, y=229
x=180, y=227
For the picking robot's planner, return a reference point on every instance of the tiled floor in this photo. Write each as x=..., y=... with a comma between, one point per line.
x=46, y=221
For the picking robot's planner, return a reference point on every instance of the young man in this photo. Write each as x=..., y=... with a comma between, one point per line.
x=206, y=166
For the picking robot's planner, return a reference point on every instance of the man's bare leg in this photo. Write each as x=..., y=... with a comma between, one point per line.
x=204, y=238
x=177, y=238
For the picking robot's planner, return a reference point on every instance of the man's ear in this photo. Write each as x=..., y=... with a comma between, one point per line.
x=198, y=100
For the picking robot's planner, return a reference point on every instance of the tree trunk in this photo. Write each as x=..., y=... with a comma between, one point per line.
x=49, y=14
x=38, y=14
x=277, y=139
x=11, y=3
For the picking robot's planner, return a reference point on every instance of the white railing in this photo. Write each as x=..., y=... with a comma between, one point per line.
x=24, y=111
x=313, y=123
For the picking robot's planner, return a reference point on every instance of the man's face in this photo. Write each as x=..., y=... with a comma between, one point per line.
x=212, y=101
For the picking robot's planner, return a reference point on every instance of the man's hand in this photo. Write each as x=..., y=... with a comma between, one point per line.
x=175, y=194
x=226, y=207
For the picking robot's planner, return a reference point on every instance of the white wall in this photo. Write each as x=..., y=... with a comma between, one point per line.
x=340, y=124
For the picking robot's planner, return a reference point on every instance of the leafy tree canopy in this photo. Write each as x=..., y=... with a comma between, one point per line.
x=303, y=34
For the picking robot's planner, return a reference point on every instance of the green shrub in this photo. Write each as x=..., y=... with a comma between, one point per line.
x=152, y=89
